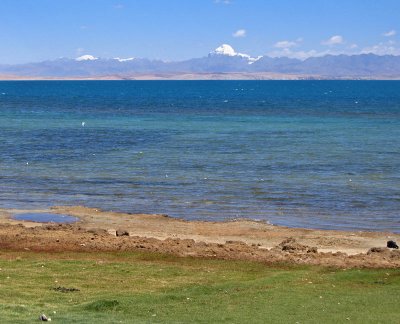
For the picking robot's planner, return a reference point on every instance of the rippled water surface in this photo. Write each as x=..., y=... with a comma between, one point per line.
x=322, y=154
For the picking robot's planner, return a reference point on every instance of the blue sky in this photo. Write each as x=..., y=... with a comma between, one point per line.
x=36, y=30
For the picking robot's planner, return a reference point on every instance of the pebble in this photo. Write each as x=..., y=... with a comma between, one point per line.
x=44, y=318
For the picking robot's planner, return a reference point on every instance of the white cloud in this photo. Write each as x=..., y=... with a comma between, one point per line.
x=334, y=40
x=305, y=54
x=239, y=33
x=284, y=44
x=226, y=2
x=288, y=49
x=285, y=49
x=301, y=55
x=385, y=48
x=389, y=33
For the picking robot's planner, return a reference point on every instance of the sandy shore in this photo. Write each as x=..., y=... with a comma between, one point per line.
x=240, y=239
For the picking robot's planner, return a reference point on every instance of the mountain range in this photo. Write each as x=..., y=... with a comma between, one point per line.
x=223, y=62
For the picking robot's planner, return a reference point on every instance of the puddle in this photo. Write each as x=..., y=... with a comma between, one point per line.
x=45, y=218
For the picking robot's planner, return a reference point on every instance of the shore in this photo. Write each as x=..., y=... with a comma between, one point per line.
x=239, y=239
x=197, y=77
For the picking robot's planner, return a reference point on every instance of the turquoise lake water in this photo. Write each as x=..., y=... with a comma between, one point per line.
x=320, y=154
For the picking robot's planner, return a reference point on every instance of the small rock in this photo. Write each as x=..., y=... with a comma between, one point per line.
x=44, y=318
x=121, y=232
x=312, y=249
x=392, y=245
x=65, y=290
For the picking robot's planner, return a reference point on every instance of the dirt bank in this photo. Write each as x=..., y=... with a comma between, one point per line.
x=245, y=240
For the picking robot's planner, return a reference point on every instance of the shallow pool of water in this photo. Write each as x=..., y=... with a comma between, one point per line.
x=45, y=218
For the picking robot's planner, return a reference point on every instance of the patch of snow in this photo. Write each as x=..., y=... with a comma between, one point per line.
x=254, y=59
x=124, y=59
x=86, y=58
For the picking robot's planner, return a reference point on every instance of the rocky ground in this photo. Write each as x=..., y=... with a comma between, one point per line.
x=237, y=240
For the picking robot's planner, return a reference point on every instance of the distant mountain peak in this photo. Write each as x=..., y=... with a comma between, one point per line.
x=225, y=49
x=86, y=58
x=228, y=50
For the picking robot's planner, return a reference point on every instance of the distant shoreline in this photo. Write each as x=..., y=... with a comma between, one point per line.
x=237, y=76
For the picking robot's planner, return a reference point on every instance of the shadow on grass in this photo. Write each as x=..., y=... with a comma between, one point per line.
x=103, y=305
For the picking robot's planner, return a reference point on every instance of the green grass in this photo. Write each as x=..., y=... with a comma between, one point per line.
x=151, y=288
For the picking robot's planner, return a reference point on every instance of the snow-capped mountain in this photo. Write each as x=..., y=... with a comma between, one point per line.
x=224, y=59
x=86, y=58
x=225, y=49
x=228, y=50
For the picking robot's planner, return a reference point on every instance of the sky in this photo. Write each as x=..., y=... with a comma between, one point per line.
x=171, y=30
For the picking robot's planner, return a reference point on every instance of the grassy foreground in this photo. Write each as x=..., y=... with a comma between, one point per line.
x=151, y=288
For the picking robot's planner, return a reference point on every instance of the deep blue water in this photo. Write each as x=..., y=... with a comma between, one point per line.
x=321, y=154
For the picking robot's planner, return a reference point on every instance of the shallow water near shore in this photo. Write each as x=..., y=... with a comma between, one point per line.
x=320, y=154
x=45, y=218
